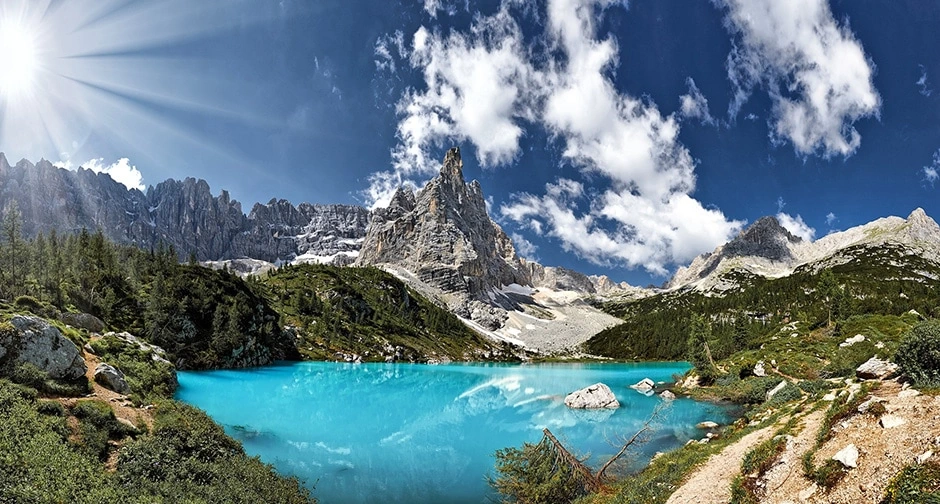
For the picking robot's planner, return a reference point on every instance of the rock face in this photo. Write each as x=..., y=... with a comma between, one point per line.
x=35, y=341
x=111, y=377
x=876, y=369
x=183, y=214
x=444, y=236
x=596, y=396
x=85, y=321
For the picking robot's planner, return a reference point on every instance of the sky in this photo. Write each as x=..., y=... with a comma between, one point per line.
x=610, y=137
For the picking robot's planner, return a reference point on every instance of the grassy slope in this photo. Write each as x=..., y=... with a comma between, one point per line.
x=370, y=313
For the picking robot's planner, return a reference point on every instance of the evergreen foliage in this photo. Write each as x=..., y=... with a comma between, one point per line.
x=919, y=354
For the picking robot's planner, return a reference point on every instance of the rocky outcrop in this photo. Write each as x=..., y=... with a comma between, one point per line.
x=876, y=369
x=112, y=378
x=84, y=321
x=183, y=214
x=156, y=353
x=444, y=236
x=596, y=396
x=35, y=341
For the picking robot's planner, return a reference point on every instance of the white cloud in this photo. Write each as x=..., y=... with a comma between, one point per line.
x=483, y=86
x=796, y=226
x=814, y=69
x=694, y=105
x=524, y=247
x=930, y=172
x=831, y=219
x=922, y=82
x=121, y=171
x=384, y=45
x=450, y=7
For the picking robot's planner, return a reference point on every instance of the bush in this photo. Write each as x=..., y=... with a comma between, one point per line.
x=919, y=354
x=789, y=392
x=915, y=484
x=98, y=425
x=531, y=475
x=51, y=408
x=30, y=304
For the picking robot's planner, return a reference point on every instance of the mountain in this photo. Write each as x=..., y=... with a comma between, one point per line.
x=183, y=214
x=768, y=250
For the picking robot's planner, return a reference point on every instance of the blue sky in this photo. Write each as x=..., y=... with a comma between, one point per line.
x=610, y=137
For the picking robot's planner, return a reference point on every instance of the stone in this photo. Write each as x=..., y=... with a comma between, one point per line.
x=848, y=456
x=876, y=369
x=806, y=493
x=41, y=344
x=908, y=393
x=831, y=396
x=858, y=338
x=706, y=425
x=643, y=385
x=667, y=395
x=85, y=321
x=111, y=378
x=867, y=405
x=759, y=369
x=891, y=421
x=592, y=397
x=127, y=423
x=772, y=392
x=924, y=457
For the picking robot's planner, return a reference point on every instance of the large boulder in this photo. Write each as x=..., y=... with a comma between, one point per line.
x=876, y=369
x=848, y=456
x=111, y=377
x=592, y=397
x=85, y=321
x=39, y=343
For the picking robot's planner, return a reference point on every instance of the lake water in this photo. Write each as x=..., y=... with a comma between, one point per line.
x=418, y=434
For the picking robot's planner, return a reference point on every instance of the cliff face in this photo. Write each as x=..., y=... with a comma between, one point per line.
x=184, y=214
x=444, y=236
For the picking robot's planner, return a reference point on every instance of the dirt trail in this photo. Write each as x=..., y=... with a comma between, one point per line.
x=711, y=482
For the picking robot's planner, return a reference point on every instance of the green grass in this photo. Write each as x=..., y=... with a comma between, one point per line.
x=915, y=484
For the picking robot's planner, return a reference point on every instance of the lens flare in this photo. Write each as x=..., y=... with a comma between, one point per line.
x=17, y=59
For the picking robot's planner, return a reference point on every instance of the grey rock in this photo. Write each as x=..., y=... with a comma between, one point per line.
x=39, y=343
x=643, y=385
x=706, y=425
x=156, y=353
x=667, y=395
x=848, y=456
x=85, y=321
x=592, y=397
x=876, y=369
x=111, y=377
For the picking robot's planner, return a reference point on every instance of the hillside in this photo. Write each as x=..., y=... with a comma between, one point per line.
x=366, y=314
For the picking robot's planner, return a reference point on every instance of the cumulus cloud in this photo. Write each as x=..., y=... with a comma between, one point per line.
x=796, y=226
x=831, y=219
x=646, y=216
x=931, y=172
x=922, y=82
x=813, y=68
x=640, y=212
x=524, y=247
x=694, y=105
x=121, y=171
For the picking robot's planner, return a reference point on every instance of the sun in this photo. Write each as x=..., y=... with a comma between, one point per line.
x=17, y=59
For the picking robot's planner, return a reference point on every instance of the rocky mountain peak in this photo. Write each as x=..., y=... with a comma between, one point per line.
x=452, y=169
x=765, y=238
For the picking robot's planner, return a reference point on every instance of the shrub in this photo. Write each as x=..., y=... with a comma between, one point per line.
x=789, y=392
x=98, y=424
x=31, y=304
x=915, y=484
x=919, y=354
x=828, y=474
x=51, y=408
x=530, y=475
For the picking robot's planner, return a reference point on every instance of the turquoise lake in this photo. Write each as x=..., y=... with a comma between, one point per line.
x=418, y=434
